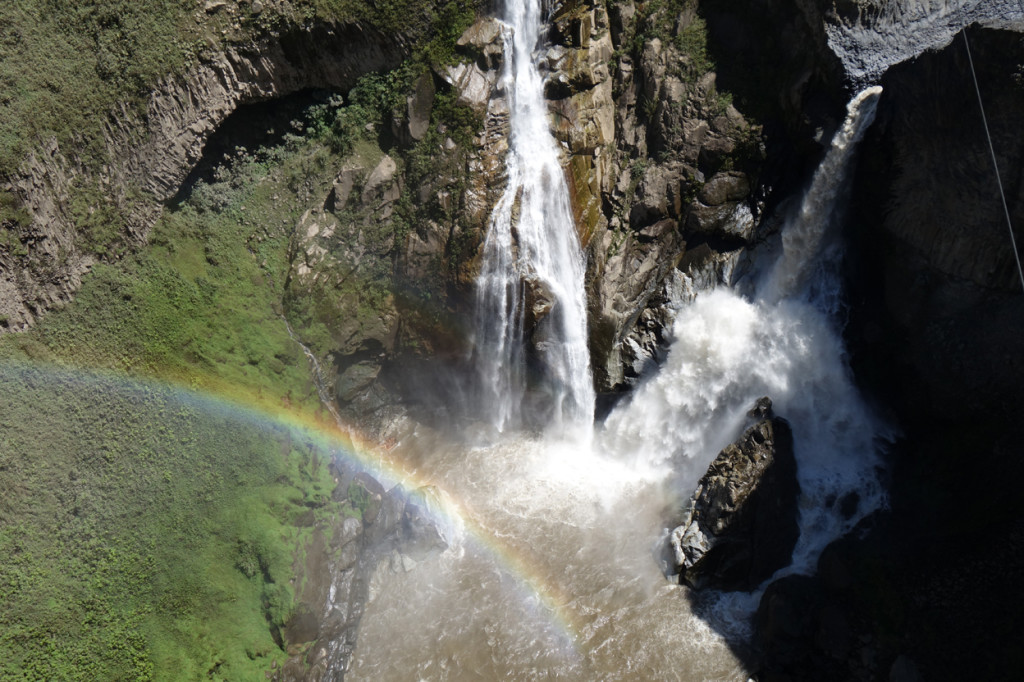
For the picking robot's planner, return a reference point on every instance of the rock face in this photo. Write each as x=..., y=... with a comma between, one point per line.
x=870, y=36
x=740, y=525
x=943, y=281
x=392, y=247
x=378, y=528
x=936, y=334
x=645, y=130
x=151, y=154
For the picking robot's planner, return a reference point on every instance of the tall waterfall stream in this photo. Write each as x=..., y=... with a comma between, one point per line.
x=532, y=260
x=551, y=570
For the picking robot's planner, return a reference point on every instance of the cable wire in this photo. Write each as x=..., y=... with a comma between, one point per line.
x=995, y=165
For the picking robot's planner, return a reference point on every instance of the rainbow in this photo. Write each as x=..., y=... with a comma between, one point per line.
x=348, y=444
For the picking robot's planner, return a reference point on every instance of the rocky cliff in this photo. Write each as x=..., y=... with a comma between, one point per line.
x=685, y=125
x=740, y=525
x=662, y=169
x=935, y=333
x=149, y=154
x=870, y=36
x=379, y=531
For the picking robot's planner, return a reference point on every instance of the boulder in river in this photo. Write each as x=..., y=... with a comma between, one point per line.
x=740, y=525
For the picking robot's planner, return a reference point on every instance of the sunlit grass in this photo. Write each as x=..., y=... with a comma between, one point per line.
x=148, y=531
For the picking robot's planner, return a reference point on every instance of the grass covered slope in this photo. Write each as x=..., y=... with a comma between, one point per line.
x=148, y=531
x=65, y=66
x=149, y=527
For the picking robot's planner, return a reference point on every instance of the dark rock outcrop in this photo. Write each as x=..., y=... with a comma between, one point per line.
x=888, y=602
x=740, y=525
x=941, y=303
x=936, y=335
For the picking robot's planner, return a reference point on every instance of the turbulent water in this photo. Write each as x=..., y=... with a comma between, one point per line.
x=550, y=576
x=552, y=568
x=532, y=265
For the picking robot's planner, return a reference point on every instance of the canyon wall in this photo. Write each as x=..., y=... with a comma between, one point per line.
x=684, y=133
x=151, y=152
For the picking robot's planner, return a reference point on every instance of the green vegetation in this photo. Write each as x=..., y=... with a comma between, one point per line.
x=12, y=215
x=66, y=66
x=63, y=65
x=692, y=41
x=148, y=532
x=676, y=23
x=432, y=28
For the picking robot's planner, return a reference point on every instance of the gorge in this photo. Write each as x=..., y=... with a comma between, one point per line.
x=535, y=265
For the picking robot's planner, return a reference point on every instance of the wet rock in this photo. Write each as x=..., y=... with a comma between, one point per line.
x=724, y=187
x=355, y=379
x=833, y=571
x=741, y=523
x=762, y=408
x=729, y=222
x=332, y=587
x=787, y=619
x=539, y=300
x=303, y=626
x=367, y=495
x=904, y=670
x=630, y=268
x=421, y=535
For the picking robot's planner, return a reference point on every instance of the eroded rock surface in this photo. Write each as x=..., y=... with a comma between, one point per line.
x=645, y=130
x=740, y=525
x=379, y=530
x=150, y=154
x=870, y=36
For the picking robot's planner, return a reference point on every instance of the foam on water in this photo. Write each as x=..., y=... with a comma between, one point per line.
x=728, y=351
x=581, y=514
x=531, y=262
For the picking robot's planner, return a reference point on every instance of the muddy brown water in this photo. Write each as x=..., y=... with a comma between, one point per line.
x=551, y=573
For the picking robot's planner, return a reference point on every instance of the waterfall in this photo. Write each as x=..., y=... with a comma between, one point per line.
x=317, y=372
x=531, y=278
x=556, y=578
x=803, y=235
x=728, y=351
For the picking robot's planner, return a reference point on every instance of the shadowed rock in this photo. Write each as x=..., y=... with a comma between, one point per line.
x=740, y=525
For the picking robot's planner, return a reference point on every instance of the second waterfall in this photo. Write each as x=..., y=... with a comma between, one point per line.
x=531, y=323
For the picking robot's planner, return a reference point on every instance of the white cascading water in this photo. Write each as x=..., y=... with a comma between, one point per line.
x=532, y=260
x=728, y=351
x=553, y=574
